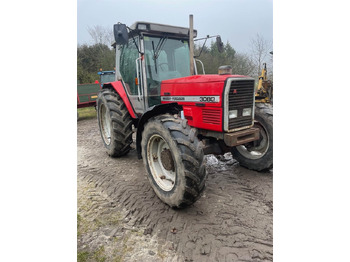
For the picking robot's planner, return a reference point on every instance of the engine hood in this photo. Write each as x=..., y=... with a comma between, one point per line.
x=200, y=79
x=198, y=85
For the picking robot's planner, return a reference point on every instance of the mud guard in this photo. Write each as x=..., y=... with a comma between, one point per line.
x=119, y=88
x=171, y=108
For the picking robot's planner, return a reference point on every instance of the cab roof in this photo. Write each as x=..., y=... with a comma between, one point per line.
x=154, y=28
x=159, y=29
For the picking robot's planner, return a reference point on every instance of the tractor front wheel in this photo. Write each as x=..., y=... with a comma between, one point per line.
x=258, y=155
x=173, y=158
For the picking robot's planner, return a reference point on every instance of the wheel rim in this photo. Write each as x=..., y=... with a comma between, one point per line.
x=105, y=124
x=161, y=162
x=256, y=149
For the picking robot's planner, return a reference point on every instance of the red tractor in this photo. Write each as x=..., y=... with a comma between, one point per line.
x=179, y=116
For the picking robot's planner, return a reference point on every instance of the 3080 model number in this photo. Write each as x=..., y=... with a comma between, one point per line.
x=210, y=99
x=203, y=99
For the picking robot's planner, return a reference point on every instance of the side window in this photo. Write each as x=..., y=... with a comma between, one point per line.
x=128, y=56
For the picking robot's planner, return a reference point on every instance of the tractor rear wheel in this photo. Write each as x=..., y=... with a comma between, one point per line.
x=173, y=158
x=114, y=122
x=258, y=155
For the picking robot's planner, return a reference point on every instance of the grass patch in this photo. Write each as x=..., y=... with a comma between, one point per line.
x=83, y=256
x=79, y=225
x=87, y=113
x=99, y=255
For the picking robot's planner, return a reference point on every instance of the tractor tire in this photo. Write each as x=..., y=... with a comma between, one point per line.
x=115, y=123
x=258, y=155
x=174, y=160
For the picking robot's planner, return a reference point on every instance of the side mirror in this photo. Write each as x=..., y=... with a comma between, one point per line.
x=219, y=44
x=121, y=36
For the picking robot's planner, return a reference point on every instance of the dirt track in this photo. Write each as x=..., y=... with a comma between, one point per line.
x=121, y=219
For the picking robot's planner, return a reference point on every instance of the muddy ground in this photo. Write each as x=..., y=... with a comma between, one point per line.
x=121, y=219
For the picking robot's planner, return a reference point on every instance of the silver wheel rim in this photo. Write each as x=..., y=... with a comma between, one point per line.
x=161, y=162
x=105, y=124
x=256, y=152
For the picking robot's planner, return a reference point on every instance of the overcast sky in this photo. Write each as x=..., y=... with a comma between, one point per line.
x=237, y=21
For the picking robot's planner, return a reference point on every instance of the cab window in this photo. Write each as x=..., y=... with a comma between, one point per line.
x=165, y=59
x=128, y=56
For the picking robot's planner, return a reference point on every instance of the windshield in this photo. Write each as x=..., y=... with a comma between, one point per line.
x=166, y=58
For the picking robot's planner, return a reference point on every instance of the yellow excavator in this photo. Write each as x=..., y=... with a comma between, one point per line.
x=264, y=91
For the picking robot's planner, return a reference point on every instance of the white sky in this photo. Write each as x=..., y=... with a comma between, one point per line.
x=237, y=21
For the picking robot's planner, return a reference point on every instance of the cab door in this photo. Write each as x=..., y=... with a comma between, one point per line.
x=131, y=72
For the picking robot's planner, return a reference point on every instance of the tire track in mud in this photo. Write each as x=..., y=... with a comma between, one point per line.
x=103, y=234
x=231, y=222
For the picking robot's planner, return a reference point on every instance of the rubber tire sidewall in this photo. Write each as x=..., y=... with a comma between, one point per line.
x=112, y=148
x=174, y=197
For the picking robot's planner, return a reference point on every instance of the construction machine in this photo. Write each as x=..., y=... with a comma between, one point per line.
x=178, y=116
x=264, y=90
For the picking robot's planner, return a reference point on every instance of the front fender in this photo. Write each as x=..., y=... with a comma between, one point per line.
x=119, y=88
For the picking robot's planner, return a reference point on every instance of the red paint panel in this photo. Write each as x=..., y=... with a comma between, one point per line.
x=200, y=115
x=200, y=118
x=119, y=88
x=200, y=79
x=199, y=87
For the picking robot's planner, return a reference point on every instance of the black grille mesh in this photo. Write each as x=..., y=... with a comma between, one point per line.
x=240, y=96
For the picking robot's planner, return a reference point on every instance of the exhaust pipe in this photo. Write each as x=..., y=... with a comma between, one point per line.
x=191, y=46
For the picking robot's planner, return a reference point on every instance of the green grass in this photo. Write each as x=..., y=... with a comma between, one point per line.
x=83, y=256
x=98, y=255
x=87, y=113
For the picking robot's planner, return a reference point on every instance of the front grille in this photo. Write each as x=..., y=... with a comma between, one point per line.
x=211, y=116
x=241, y=95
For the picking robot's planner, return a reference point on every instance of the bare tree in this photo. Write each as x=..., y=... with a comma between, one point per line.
x=260, y=49
x=242, y=64
x=101, y=35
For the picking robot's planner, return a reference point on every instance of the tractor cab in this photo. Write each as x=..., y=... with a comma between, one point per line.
x=148, y=54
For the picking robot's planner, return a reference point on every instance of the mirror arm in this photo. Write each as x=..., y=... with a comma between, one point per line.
x=206, y=38
x=201, y=49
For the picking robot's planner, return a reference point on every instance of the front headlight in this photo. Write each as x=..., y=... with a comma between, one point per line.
x=232, y=114
x=247, y=112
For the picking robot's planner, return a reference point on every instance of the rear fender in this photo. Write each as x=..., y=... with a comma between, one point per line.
x=171, y=108
x=119, y=88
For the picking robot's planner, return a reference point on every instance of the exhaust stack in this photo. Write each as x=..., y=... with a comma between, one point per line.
x=191, y=46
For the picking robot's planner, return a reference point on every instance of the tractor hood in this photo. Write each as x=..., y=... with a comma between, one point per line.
x=205, y=99
x=200, y=79
x=195, y=86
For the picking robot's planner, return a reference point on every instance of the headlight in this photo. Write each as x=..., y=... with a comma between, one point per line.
x=247, y=112
x=232, y=113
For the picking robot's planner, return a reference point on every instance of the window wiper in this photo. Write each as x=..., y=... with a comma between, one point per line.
x=159, y=47
x=156, y=52
x=155, y=60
